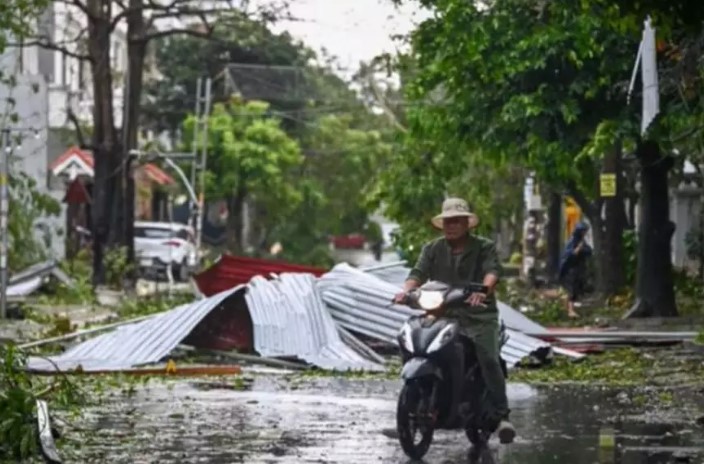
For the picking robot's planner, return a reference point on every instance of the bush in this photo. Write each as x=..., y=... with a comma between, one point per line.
x=516, y=258
x=630, y=255
x=18, y=396
x=116, y=267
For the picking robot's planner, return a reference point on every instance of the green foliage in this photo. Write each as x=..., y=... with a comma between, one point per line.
x=145, y=306
x=17, y=19
x=617, y=367
x=250, y=158
x=531, y=83
x=18, y=395
x=689, y=294
x=280, y=72
x=116, y=266
x=248, y=150
x=299, y=200
x=27, y=205
x=340, y=162
x=79, y=268
x=630, y=255
x=17, y=405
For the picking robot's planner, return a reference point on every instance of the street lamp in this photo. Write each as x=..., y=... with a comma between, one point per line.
x=155, y=155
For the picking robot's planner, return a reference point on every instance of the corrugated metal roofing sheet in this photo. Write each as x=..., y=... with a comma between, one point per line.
x=135, y=344
x=361, y=302
x=394, y=273
x=288, y=316
x=230, y=271
x=31, y=279
x=515, y=322
x=26, y=287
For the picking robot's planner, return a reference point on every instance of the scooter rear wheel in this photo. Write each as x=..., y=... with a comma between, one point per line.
x=412, y=416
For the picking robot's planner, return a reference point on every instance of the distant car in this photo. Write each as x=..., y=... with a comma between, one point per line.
x=348, y=242
x=158, y=244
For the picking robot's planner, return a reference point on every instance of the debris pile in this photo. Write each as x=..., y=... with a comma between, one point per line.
x=330, y=321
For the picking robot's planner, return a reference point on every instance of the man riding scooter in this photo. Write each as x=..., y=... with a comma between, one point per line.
x=458, y=259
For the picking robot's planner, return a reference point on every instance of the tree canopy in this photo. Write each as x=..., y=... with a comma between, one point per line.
x=250, y=157
x=341, y=143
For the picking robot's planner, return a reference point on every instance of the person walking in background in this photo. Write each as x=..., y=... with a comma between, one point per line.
x=573, y=215
x=573, y=266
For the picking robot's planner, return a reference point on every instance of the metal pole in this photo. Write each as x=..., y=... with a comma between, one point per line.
x=194, y=165
x=4, y=207
x=203, y=165
x=182, y=175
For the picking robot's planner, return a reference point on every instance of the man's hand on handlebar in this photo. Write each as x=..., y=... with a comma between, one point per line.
x=476, y=299
x=400, y=298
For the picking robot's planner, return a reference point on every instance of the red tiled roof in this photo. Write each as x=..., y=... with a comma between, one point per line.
x=158, y=175
x=155, y=173
x=83, y=155
x=231, y=271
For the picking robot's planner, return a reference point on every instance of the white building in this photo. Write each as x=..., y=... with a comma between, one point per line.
x=48, y=85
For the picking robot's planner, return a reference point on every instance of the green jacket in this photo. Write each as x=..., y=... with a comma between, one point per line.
x=478, y=259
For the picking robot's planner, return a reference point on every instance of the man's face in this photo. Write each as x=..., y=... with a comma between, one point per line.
x=455, y=228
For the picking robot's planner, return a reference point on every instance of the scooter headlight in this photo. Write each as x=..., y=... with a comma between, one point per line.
x=405, y=338
x=430, y=300
x=442, y=338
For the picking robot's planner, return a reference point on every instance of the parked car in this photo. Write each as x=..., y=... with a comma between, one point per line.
x=158, y=244
x=348, y=242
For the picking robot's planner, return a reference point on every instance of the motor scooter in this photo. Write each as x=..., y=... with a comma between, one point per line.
x=426, y=402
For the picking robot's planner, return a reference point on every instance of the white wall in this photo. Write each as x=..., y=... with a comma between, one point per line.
x=30, y=156
x=70, y=82
x=685, y=207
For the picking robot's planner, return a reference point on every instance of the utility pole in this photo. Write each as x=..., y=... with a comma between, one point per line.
x=200, y=157
x=194, y=164
x=4, y=209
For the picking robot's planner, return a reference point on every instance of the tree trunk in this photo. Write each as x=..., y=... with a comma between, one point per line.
x=234, y=220
x=612, y=277
x=136, y=53
x=104, y=140
x=655, y=295
x=554, y=231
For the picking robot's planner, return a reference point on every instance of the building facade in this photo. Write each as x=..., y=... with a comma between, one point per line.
x=43, y=88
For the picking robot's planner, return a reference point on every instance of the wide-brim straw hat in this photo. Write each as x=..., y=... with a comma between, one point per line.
x=452, y=208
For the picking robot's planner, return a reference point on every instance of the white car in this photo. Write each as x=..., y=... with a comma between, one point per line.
x=158, y=244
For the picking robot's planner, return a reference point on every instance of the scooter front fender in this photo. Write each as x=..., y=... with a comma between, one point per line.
x=416, y=368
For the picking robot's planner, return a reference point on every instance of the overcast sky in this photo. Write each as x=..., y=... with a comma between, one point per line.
x=351, y=30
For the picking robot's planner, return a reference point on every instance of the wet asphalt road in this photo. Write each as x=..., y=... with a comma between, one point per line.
x=328, y=420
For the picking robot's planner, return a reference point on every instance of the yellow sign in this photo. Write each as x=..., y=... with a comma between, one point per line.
x=608, y=185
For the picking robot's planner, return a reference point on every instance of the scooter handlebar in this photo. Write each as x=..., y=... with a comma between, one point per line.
x=453, y=295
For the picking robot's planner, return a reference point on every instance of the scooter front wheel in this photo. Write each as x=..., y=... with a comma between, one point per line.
x=413, y=417
x=477, y=438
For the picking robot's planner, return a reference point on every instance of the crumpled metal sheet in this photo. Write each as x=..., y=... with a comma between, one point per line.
x=394, y=273
x=28, y=281
x=516, y=322
x=361, y=302
x=289, y=318
x=144, y=342
x=25, y=288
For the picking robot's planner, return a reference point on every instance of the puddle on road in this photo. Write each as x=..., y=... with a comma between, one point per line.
x=332, y=420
